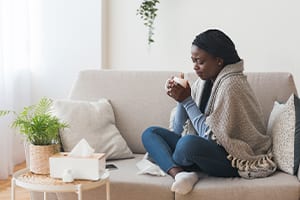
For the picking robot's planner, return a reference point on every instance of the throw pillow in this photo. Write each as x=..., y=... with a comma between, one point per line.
x=93, y=121
x=284, y=126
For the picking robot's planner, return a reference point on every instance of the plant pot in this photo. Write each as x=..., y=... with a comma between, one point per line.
x=39, y=157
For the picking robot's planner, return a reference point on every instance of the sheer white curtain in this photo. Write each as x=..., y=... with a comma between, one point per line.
x=15, y=90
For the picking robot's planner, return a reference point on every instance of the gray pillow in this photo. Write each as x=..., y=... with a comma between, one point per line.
x=93, y=121
x=284, y=126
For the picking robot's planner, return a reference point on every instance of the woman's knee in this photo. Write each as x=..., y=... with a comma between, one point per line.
x=187, y=142
x=185, y=149
x=148, y=133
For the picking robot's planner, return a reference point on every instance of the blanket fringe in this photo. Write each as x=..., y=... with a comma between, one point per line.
x=265, y=162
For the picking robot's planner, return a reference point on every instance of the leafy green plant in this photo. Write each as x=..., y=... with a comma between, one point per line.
x=37, y=123
x=147, y=12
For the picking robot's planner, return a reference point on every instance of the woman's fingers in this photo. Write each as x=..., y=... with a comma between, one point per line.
x=169, y=84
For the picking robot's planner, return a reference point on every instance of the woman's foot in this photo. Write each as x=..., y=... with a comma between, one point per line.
x=175, y=170
x=184, y=182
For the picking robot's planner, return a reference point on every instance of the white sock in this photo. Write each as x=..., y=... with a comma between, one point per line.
x=184, y=182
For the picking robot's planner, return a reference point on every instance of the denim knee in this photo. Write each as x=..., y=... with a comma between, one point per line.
x=147, y=134
x=184, y=149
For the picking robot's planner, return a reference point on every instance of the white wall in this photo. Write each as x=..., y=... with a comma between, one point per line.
x=266, y=33
x=65, y=38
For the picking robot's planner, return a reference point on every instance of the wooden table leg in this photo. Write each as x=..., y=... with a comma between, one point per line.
x=107, y=190
x=79, y=192
x=13, y=184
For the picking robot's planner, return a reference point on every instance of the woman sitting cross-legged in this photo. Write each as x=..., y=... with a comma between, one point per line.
x=226, y=132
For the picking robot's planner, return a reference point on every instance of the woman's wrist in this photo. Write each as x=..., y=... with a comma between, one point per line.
x=186, y=100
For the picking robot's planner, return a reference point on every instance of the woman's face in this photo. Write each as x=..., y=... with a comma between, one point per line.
x=206, y=66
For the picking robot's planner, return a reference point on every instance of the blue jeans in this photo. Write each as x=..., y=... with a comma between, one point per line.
x=190, y=152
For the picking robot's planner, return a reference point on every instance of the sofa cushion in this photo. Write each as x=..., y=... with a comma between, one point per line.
x=126, y=184
x=93, y=121
x=284, y=126
x=276, y=187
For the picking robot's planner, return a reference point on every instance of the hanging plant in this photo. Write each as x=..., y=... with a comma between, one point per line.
x=147, y=12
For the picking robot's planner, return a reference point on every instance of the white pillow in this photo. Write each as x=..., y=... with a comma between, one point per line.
x=94, y=121
x=285, y=130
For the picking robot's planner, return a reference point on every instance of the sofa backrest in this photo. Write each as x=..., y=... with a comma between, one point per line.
x=139, y=99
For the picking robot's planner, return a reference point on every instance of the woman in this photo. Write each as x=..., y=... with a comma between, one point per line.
x=221, y=109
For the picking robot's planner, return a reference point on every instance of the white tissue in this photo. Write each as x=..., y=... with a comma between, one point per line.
x=82, y=149
x=147, y=167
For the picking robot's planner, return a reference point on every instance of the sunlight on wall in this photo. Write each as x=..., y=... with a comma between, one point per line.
x=65, y=38
x=14, y=35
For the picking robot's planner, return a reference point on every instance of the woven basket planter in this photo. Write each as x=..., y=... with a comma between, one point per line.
x=39, y=157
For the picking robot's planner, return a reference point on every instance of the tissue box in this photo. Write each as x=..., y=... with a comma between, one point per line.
x=89, y=168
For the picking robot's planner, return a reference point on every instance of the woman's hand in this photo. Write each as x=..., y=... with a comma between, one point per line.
x=169, y=84
x=179, y=93
x=176, y=91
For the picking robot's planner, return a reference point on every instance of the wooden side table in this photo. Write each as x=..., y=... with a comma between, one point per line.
x=44, y=183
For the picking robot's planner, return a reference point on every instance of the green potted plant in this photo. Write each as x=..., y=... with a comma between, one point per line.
x=148, y=12
x=41, y=131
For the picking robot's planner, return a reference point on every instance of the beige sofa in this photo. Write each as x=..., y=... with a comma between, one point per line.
x=139, y=101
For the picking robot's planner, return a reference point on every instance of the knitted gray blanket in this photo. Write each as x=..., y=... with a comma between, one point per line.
x=236, y=122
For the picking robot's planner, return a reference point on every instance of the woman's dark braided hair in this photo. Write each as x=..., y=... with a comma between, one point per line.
x=218, y=44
